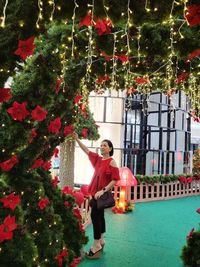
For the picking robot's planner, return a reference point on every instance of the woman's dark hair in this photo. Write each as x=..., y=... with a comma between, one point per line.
x=110, y=145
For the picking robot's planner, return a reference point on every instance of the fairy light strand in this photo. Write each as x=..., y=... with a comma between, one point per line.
x=113, y=83
x=40, y=17
x=51, y=2
x=73, y=27
x=179, y=29
x=4, y=15
x=138, y=44
x=90, y=48
x=127, y=65
x=147, y=6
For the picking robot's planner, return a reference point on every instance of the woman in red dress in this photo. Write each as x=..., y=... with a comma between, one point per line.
x=106, y=174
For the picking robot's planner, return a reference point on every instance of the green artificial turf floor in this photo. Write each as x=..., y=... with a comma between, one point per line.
x=150, y=236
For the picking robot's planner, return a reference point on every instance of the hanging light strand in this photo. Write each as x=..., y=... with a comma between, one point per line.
x=138, y=44
x=114, y=60
x=40, y=17
x=147, y=6
x=4, y=14
x=127, y=64
x=73, y=27
x=51, y=2
x=90, y=47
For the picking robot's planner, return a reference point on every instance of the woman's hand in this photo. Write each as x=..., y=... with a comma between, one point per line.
x=99, y=194
x=75, y=135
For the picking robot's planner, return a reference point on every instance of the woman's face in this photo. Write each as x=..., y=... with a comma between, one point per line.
x=104, y=148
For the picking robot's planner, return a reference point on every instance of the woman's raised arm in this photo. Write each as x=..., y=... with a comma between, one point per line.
x=82, y=146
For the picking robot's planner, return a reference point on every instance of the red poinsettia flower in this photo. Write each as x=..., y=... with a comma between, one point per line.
x=59, y=260
x=43, y=203
x=56, y=152
x=190, y=234
x=79, y=197
x=47, y=165
x=189, y=179
x=182, y=179
x=198, y=210
x=67, y=204
x=86, y=21
x=84, y=132
x=18, y=111
x=11, y=201
x=61, y=255
x=39, y=114
x=77, y=99
x=102, y=79
x=103, y=26
x=8, y=164
x=194, y=54
x=68, y=130
x=54, y=126
x=5, y=94
x=83, y=107
x=81, y=228
x=9, y=223
x=32, y=135
x=192, y=15
x=58, y=83
x=182, y=77
x=75, y=262
x=84, y=190
x=4, y=234
x=123, y=58
x=55, y=181
x=141, y=80
x=64, y=253
x=77, y=213
x=7, y=227
x=37, y=164
x=67, y=190
x=25, y=48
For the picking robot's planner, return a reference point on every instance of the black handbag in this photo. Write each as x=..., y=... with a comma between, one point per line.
x=106, y=201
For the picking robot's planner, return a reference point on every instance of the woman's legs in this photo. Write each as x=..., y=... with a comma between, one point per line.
x=98, y=222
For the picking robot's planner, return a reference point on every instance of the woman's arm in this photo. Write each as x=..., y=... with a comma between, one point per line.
x=82, y=146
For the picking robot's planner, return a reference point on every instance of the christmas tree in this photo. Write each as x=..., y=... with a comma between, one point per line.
x=40, y=225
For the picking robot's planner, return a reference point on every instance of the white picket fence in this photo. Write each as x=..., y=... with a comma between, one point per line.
x=144, y=192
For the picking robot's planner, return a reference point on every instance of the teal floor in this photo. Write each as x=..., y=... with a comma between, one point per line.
x=150, y=236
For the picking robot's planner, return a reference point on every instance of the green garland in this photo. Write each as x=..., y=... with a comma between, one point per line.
x=155, y=29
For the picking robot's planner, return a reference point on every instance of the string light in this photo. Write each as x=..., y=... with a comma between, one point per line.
x=90, y=49
x=138, y=44
x=51, y=2
x=40, y=17
x=73, y=27
x=127, y=66
x=147, y=6
x=114, y=60
x=179, y=29
x=4, y=14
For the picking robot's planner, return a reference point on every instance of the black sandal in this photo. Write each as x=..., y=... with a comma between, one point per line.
x=91, y=255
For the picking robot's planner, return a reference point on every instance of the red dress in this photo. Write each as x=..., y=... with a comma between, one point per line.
x=104, y=173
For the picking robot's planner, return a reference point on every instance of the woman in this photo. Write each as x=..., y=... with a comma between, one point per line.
x=106, y=174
